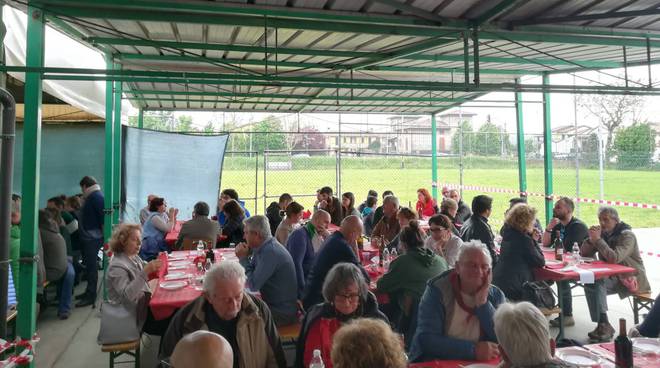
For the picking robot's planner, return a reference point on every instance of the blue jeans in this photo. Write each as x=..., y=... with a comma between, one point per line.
x=651, y=325
x=90, y=253
x=65, y=289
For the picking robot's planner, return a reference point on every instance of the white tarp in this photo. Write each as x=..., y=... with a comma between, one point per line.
x=64, y=52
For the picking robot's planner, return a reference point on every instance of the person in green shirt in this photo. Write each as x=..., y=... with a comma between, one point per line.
x=407, y=276
x=15, y=236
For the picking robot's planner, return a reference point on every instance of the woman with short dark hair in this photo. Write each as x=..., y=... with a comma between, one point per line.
x=233, y=228
x=347, y=297
x=156, y=226
x=443, y=241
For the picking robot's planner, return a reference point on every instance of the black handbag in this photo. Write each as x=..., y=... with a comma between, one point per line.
x=539, y=293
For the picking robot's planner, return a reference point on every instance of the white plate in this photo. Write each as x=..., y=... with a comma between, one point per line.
x=587, y=259
x=179, y=263
x=480, y=365
x=178, y=257
x=175, y=275
x=173, y=285
x=553, y=262
x=578, y=357
x=177, y=267
x=647, y=345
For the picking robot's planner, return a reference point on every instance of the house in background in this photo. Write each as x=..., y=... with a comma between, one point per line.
x=412, y=134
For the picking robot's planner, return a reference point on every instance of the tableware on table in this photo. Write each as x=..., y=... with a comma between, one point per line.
x=175, y=275
x=578, y=357
x=480, y=365
x=173, y=285
x=178, y=257
x=547, y=249
x=553, y=262
x=177, y=267
x=587, y=259
x=178, y=263
x=646, y=345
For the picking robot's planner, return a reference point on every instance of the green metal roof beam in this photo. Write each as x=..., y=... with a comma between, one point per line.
x=493, y=12
x=337, y=53
x=588, y=17
x=423, y=14
x=316, y=104
x=592, y=31
x=563, y=38
x=288, y=64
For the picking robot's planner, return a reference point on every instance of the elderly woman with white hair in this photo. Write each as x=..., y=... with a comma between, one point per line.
x=524, y=337
x=614, y=242
x=455, y=320
x=228, y=310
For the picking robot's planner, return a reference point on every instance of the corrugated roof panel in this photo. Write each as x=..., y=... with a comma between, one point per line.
x=191, y=32
x=220, y=34
x=249, y=36
x=159, y=30
x=350, y=5
x=457, y=7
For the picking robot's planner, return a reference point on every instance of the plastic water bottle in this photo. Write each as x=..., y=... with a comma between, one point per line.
x=200, y=248
x=317, y=361
x=386, y=258
x=393, y=254
x=576, y=253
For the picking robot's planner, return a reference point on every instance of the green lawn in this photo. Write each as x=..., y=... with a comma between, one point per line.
x=404, y=178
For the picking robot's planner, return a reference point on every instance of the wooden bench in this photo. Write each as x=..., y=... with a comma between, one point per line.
x=131, y=348
x=549, y=312
x=641, y=301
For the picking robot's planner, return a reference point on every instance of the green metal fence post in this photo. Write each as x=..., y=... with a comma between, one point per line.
x=30, y=186
x=520, y=135
x=140, y=118
x=117, y=151
x=108, y=191
x=547, y=151
x=434, y=157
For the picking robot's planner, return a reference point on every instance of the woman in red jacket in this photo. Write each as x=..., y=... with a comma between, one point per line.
x=425, y=205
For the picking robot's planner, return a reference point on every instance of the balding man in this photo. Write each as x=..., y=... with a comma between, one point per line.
x=463, y=213
x=304, y=243
x=339, y=247
x=203, y=349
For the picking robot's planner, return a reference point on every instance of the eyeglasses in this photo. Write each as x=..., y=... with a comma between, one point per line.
x=352, y=298
x=436, y=229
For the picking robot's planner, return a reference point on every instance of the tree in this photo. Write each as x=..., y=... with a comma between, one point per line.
x=269, y=135
x=209, y=127
x=374, y=145
x=184, y=124
x=634, y=146
x=468, y=136
x=310, y=139
x=488, y=140
x=612, y=111
x=156, y=120
x=532, y=148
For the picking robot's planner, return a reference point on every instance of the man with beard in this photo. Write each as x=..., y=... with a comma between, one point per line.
x=571, y=230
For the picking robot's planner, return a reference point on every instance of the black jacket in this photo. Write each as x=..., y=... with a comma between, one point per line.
x=366, y=309
x=233, y=229
x=477, y=228
x=519, y=256
x=463, y=213
x=274, y=214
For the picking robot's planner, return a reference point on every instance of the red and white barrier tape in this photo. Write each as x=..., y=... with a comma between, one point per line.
x=552, y=196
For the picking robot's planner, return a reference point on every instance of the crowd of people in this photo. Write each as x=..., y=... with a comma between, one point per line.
x=453, y=293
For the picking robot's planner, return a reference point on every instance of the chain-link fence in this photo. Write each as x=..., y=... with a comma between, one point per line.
x=476, y=162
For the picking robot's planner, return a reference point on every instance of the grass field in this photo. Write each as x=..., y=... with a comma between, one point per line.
x=404, y=177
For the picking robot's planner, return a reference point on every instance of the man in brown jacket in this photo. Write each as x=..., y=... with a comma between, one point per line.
x=200, y=227
x=226, y=309
x=614, y=242
x=388, y=226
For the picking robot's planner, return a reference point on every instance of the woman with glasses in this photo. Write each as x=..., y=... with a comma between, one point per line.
x=156, y=226
x=443, y=241
x=347, y=297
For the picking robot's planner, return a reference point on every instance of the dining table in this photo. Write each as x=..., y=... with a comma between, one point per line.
x=172, y=236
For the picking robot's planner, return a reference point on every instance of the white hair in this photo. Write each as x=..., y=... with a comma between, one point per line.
x=608, y=211
x=223, y=271
x=523, y=333
x=259, y=224
x=474, y=245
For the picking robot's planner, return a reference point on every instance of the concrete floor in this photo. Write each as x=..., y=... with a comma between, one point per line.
x=72, y=343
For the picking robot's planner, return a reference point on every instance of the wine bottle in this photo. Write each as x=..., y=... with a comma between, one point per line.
x=623, y=349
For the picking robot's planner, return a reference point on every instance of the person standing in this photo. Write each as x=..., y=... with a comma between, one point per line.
x=91, y=236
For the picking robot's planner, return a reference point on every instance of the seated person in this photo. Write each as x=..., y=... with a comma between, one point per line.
x=351, y=342
x=275, y=211
x=203, y=349
x=537, y=232
x=58, y=268
x=157, y=225
x=388, y=226
x=338, y=247
x=294, y=214
x=524, y=337
x=304, y=243
x=348, y=205
x=225, y=196
x=269, y=270
x=227, y=309
x=144, y=212
x=449, y=207
x=519, y=254
x=443, y=241
x=346, y=296
x=199, y=227
x=233, y=228
x=363, y=205
x=651, y=325
x=455, y=320
x=127, y=278
x=614, y=242
x=329, y=203
x=463, y=213
x=407, y=276
x=425, y=206
x=368, y=215
x=378, y=213
x=404, y=216
x=477, y=228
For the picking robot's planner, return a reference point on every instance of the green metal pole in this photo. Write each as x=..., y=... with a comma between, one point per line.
x=520, y=135
x=27, y=291
x=547, y=151
x=108, y=183
x=434, y=157
x=117, y=152
x=140, y=118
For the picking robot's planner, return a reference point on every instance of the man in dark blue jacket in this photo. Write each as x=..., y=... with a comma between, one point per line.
x=339, y=247
x=91, y=236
